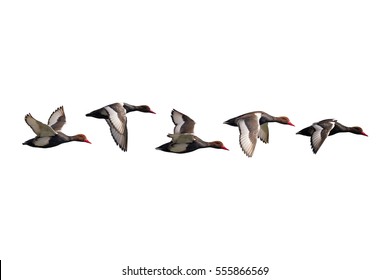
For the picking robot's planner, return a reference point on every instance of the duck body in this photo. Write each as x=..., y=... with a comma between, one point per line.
x=115, y=116
x=319, y=131
x=185, y=143
x=262, y=118
x=183, y=139
x=55, y=140
x=254, y=125
x=50, y=135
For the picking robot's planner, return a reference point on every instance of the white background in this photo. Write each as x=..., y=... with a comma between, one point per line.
x=80, y=211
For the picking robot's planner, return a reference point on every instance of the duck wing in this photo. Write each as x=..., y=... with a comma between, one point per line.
x=183, y=123
x=249, y=132
x=117, y=121
x=57, y=119
x=320, y=133
x=39, y=128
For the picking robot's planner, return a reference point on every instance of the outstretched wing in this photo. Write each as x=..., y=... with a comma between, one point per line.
x=321, y=132
x=39, y=128
x=249, y=131
x=57, y=119
x=183, y=123
x=117, y=122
